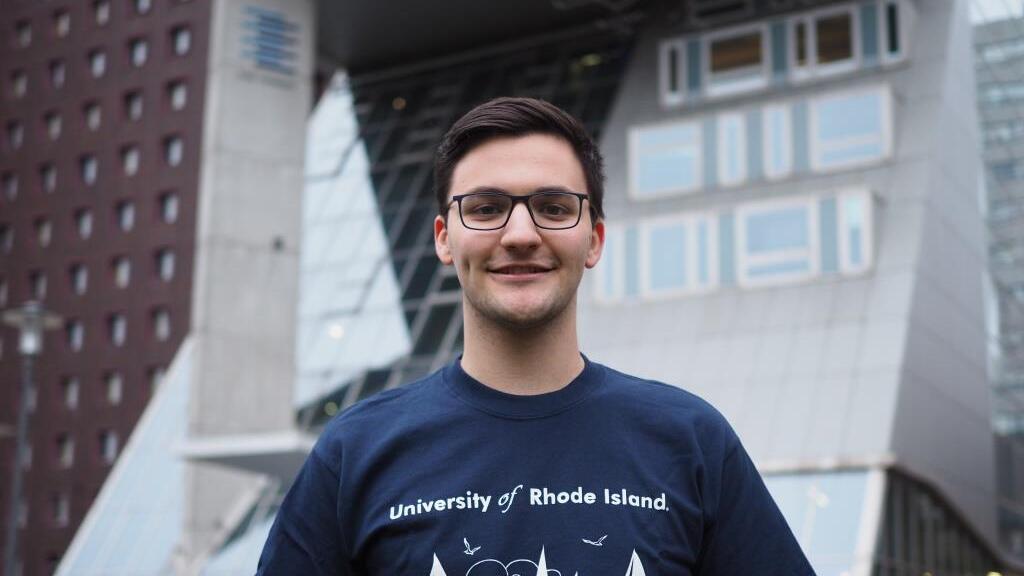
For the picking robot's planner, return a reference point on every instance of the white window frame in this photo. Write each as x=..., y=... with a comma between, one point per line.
x=139, y=52
x=813, y=69
x=97, y=63
x=689, y=221
x=868, y=242
x=79, y=279
x=71, y=390
x=815, y=147
x=90, y=169
x=178, y=95
x=787, y=136
x=742, y=176
x=726, y=87
x=615, y=243
x=634, y=151
x=744, y=261
x=906, y=16
x=671, y=98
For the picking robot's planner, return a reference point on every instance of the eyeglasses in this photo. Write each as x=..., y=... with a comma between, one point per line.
x=550, y=210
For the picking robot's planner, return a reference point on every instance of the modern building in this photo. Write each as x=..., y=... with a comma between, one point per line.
x=999, y=52
x=795, y=233
x=101, y=107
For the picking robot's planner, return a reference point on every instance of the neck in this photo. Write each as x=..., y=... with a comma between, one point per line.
x=522, y=361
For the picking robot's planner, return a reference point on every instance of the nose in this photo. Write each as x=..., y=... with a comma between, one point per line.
x=520, y=232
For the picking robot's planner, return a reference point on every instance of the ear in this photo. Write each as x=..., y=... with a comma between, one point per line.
x=444, y=254
x=596, y=244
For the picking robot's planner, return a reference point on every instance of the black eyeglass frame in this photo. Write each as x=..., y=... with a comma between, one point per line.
x=525, y=199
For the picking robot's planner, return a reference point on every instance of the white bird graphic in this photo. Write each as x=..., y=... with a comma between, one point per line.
x=470, y=551
x=598, y=542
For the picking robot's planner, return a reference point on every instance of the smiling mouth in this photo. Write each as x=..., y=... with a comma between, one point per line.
x=520, y=270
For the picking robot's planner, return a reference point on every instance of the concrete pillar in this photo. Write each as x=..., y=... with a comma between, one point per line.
x=258, y=98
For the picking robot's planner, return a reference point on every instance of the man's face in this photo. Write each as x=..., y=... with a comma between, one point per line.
x=519, y=276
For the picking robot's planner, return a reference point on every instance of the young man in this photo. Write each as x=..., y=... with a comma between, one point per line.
x=523, y=457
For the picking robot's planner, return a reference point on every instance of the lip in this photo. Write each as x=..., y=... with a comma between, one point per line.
x=520, y=272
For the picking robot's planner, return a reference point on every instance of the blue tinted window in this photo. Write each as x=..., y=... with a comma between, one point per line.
x=777, y=230
x=632, y=262
x=667, y=256
x=703, y=247
x=850, y=129
x=726, y=250
x=732, y=156
x=667, y=159
x=829, y=245
x=777, y=154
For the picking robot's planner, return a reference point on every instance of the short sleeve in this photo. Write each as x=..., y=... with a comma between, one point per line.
x=746, y=533
x=306, y=537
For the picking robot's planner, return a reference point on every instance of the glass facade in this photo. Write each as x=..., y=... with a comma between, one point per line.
x=376, y=176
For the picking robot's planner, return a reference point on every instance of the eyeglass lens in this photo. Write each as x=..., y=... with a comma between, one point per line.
x=488, y=211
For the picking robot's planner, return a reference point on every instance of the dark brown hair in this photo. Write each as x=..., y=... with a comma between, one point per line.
x=511, y=117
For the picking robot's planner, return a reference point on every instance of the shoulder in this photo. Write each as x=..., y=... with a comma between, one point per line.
x=367, y=418
x=670, y=408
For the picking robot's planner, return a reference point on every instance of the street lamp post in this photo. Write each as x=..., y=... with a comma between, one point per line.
x=30, y=320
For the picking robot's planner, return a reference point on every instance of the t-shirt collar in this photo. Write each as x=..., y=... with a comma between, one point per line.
x=517, y=406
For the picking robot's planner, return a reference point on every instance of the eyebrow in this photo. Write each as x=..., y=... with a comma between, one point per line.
x=496, y=190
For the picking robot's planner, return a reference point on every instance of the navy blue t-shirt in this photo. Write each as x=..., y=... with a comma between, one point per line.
x=609, y=475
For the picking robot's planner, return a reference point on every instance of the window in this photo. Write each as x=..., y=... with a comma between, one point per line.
x=165, y=264
x=19, y=83
x=666, y=159
x=895, y=30
x=855, y=231
x=825, y=42
x=90, y=169
x=130, y=159
x=65, y=450
x=117, y=326
x=83, y=221
x=173, y=150
x=777, y=145
x=15, y=134
x=181, y=38
x=143, y=6
x=850, y=129
x=126, y=215
x=70, y=386
x=97, y=63
x=177, y=93
x=58, y=73
x=732, y=149
x=138, y=50
x=735, y=60
x=10, y=186
x=79, y=275
x=93, y=115
x=108, y=446
x=678, y=255
x=48, y=177
x=156, y=377
x=62, y=23
x=23, y=34
x=777, y=241
x=37, y=282
x=54, y=125
x=75, y=332
x=115, y=388
x=101, y=10
x=122, y=271
x=61, y=509
x=44, y=231
x=133, y=105
x=6, y=238
x=4, y=293
x=169, y=207
x=161, y=324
